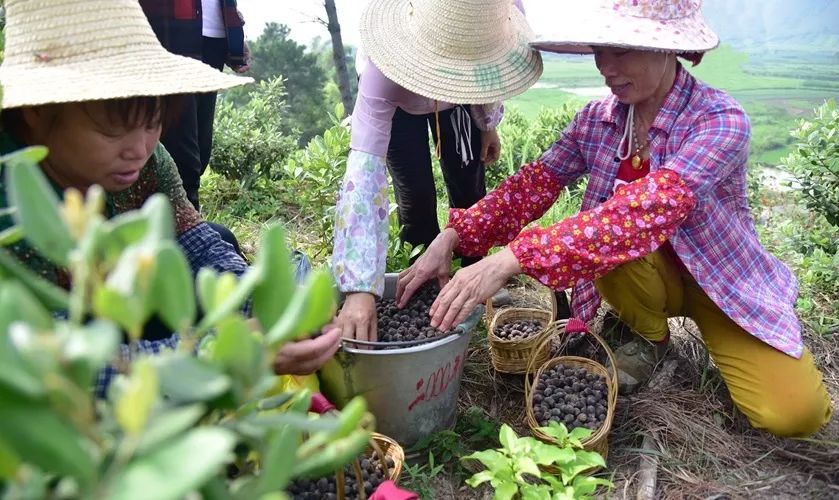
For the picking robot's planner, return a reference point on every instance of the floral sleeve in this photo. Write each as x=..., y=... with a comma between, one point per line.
x=501, y=215
x=361, y=225
x=639, y=218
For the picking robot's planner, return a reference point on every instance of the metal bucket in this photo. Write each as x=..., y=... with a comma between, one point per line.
x=413, y=390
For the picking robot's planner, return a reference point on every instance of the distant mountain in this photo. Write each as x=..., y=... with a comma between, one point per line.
x=776, y=24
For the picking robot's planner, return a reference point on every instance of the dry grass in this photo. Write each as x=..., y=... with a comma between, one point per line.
x=706, y=449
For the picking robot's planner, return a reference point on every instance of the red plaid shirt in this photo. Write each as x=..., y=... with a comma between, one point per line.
x=695, y=197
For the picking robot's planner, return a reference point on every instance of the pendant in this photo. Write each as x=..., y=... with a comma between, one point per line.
x=636, y=162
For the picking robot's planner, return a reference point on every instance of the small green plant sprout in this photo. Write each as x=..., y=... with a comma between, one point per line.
x=528, y=469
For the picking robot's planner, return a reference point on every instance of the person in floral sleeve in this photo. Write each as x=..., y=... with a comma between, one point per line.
x=405, y=88
x=665, y=228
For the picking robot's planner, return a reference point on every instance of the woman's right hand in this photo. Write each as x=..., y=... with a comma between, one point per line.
x=357, y=318
x=435, y=262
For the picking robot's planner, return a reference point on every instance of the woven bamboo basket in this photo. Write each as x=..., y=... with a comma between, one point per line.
x=598, y=441
x=513, y=356
x=382, y=446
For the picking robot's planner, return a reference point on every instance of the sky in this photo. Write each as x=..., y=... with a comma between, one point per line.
x=298, y=15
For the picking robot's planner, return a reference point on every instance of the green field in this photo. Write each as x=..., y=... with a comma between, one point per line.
x=776, y=89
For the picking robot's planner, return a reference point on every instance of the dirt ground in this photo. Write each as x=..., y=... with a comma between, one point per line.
x=704, y=447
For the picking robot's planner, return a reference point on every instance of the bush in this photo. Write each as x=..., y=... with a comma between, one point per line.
x=523, y=141
x=253, y=140
x=173, y=423
x=815, y=161
x=313, y=177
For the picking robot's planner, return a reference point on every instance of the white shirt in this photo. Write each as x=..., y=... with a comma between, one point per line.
x=213, y=23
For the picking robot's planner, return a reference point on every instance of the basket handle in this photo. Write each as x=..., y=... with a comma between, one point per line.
x=490, y=310
x=556, y=325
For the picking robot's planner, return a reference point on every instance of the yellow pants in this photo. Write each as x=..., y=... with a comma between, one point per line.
x=778, y=393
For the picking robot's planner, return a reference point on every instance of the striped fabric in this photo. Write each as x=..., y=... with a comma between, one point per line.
x=702, y=135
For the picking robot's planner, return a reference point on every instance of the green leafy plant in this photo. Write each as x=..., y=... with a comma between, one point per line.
x=252, y=141
x=815, y=161
x=526, y=468
x=173, y=423
x=420, y=475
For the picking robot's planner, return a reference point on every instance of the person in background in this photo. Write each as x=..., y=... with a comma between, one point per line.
x=665, y=228
x=210, y=31
x=97, y=89
x=407, y=86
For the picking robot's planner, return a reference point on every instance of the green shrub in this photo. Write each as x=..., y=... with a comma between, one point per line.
x=253, y=140
x=172, y=423
x=815, y=161
x=523, y=141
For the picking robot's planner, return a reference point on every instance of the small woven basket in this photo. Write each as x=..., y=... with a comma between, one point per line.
x=382, y=446
x=598, y=441
x=513, y=356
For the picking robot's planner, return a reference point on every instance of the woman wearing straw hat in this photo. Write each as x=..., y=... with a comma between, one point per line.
x=89, y=80
x=665, y=228
x=424, y=55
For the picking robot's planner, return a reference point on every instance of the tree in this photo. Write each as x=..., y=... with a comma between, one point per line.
x=339, y=56
x=274, y=53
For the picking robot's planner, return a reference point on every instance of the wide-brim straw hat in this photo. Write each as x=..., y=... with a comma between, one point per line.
x=658, y=25
x=71, y=51
x=456, y=51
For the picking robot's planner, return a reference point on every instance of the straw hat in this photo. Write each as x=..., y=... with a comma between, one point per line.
x=73, y=50
x=660, y=25
x=458, y=51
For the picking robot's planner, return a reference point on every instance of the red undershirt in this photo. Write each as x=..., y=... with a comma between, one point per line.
x=627, y=174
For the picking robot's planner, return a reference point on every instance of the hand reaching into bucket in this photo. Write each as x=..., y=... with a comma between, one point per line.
x=308, y=355
x=435, y=262
x=471, y=286
x=357, y=318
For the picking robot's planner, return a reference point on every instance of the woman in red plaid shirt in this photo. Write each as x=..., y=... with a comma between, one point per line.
x=665, y=228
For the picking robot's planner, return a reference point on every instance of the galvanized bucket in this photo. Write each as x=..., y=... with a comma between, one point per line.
x=413, y=390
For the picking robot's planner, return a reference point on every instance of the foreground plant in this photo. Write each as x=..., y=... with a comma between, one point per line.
x=173, y=424
x=529, y=469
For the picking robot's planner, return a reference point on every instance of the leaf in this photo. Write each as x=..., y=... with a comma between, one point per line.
x=89, y=348
x=239, y=350
x=276, y=287
x=50, y=295
x=526, y=465
x=278, y=460
x=228, y=295
x=161, y=221
x=172, y=471
x=37, y=207
x=310, y=309
x=550, y=454
x=17, y=373
x=124, y=311
x=493, y=460
x=508, y=437
x=172, y=288
x=11, y=235
x=9, y=461
x=506, y=491
x=479, y=478
x=167, y=425
x=39, y=437
x=134, y=405
x=186, y=379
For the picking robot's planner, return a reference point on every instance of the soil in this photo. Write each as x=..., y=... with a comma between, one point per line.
x=325, y=488
x=572, y=396
x=411, y=323
x=519, y=330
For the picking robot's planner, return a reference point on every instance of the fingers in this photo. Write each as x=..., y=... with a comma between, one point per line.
x=307, y=356
x=404, y=277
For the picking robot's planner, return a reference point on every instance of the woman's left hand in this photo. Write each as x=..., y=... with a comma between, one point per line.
x=490, y=146
x=471, y=286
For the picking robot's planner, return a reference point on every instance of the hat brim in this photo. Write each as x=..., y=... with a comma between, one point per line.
x=112, y=77
x=417, y=66
x=607, y=28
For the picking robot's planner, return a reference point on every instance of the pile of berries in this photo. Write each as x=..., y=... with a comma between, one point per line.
x=372, y=474
x=518, y=330
x=411, y=323
x=572, y=396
